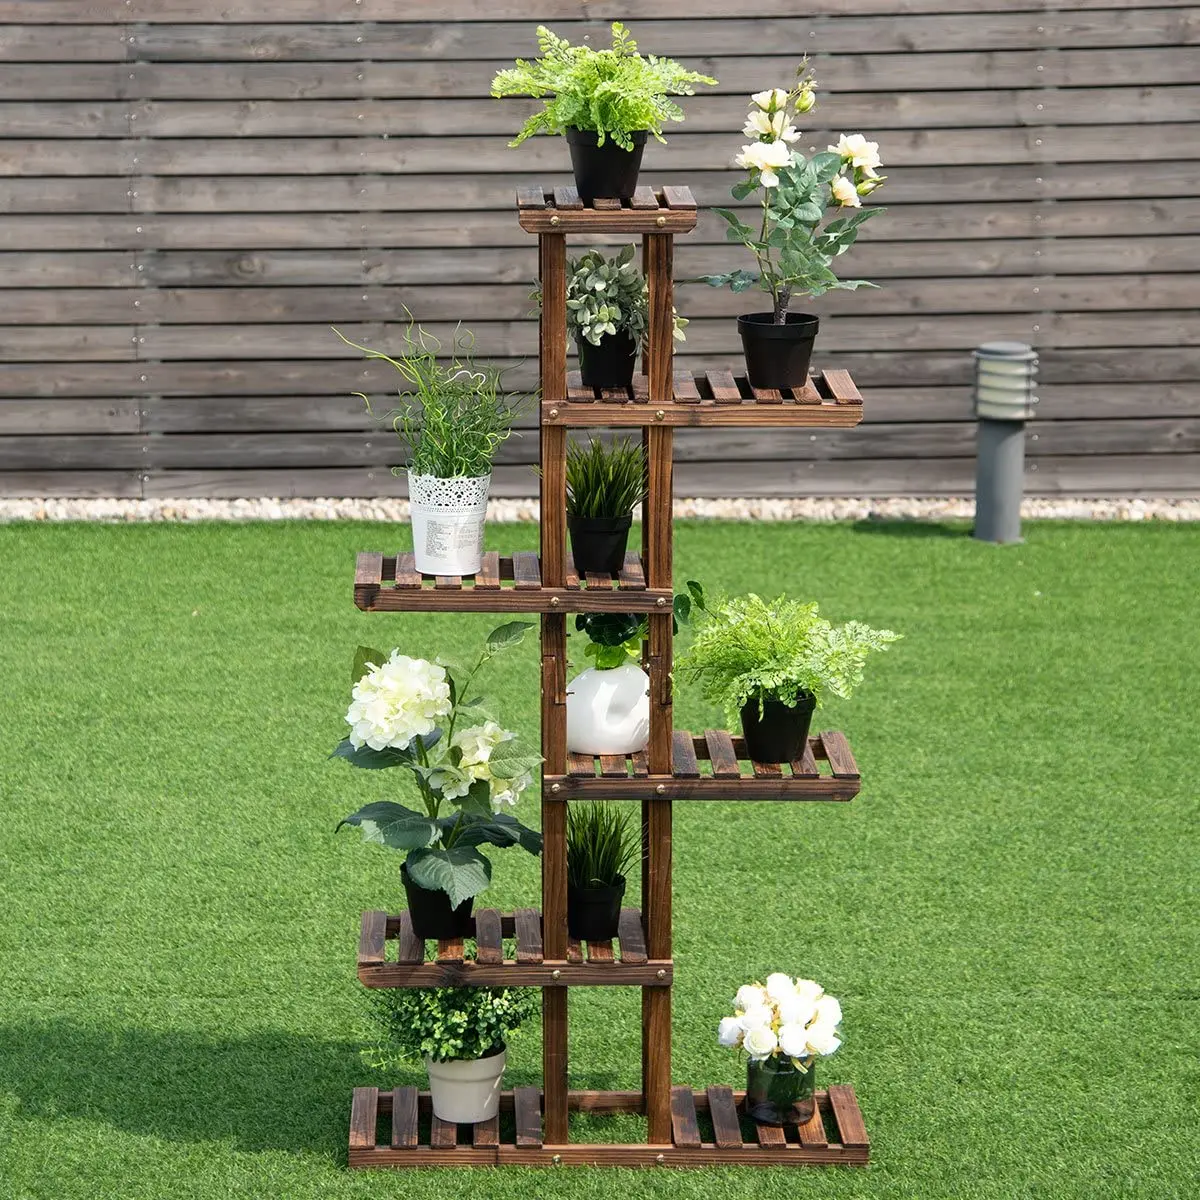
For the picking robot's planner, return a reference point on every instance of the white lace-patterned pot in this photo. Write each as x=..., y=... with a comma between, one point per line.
x=447, y=522
x=608, y=712
x=466, y=1089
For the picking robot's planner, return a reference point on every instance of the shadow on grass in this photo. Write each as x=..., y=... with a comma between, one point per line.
x=911, y=529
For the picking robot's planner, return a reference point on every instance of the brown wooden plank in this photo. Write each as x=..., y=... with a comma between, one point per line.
x=489, y=948
x=600, y=952
x=684, y=764
x=837, y=750
x=568, y=198
x=485, y=1135
x=528, y=922
x=526, y=572
x=488, y=576
x=613, y=766
x=407, y=575
x=847, y=1115
x=411, y=948
x=450, y=950
x=581, y=764
x=806, y=765
x=574, y=950
x=527, y=1108
x=686, y=391
x=841, y=387
x=770, y=1137
x=721, y=752
x=372, y=937
x=363, y=1112
x=405, y=1133
x=679, y=197
x=368, y=570
x=812, y=1132
x=631, y=577
x=727, y=1130
x=684, y=1129
x=641, y=764
x=643, y=197
x=807, y=394
x=767, y=395
x=724, y=389
x=766, y=770
x=632, y=937
x=531, y=197
x=442, y=1134
x=597, y=582
x=576, y=392
x=606, y=204
x=448, y=583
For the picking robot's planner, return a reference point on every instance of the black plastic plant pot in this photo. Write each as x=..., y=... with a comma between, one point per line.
x=610, y=364
x=593, y=914
x=777, y=356
x=607, y=171
x=431, y=914
x=780, y=734
x=598, y=543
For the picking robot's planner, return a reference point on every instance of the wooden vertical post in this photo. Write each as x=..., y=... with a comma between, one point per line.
x=552, y=353
x=656, y=894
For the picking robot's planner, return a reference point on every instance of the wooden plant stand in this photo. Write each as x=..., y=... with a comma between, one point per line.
x=530, y=947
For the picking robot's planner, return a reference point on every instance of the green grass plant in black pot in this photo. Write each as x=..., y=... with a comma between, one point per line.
x=602, y=845
x=605, y=101
x=605, y=482
x=770, y=663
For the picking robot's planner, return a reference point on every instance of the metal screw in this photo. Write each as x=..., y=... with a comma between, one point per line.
x=660, y=1159
x=658, y=416
x=557, y=1160
x=554, y=601
x=556, y=974
x=661, y=789
x=660, y=221
x=554, y=220
x=554, y=412
x=555, y=788
x=661, y=973
x=661, y=602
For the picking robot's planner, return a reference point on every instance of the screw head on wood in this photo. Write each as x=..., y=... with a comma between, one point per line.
x=661, y=789
x=554, y=221
x=660, y=1159
x=556, y=974
x=556, y=788
x=661, y=602
x=557, y=1160
x=661, y=973
x=554, y=601
x=660, y=221
x=554, y=412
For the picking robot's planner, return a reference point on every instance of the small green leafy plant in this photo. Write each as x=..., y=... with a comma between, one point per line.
x=750, y=649
x=611, y=93
x=602, y=845
x=454, y=414
x=605, y=479
x=616, y=638
x=609, y=295
x=410, y=1024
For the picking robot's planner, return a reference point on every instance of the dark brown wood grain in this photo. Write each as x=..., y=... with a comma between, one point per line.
x=721, y=753
x=363, y=1109
x=411, y=949
x=528, y=923
x=527, y=1106
x=372, y=937
x=727, y=1129
x=489, y=949
x=632, y=937
x=683, y=753
x=848, y=1116
x=684, y=1129
x=405, y=1133
x=812, y=1132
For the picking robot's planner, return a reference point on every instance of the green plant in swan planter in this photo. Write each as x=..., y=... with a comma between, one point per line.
x=770, y=663
x=418, y=715
x=794, y=246
x=460, y=1033
x=605, y=101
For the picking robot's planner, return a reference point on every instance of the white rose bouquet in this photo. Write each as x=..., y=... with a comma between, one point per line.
x=792, y=247
x=410, y=713
x=784, y=1018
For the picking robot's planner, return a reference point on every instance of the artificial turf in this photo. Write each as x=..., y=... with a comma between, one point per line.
x=1008, y=911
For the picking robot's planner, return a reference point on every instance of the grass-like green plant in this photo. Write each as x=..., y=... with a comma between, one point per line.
x=605, y=479
x=453, y=414
x=407, y=1024
x=747, y=648
x=602, y=844
x=606, y=295
x=611, y=93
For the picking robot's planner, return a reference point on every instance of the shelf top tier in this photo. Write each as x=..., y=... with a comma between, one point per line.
x=718, y=398
x=650, y=210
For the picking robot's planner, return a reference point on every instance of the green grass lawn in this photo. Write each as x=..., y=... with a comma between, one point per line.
x=1008, y=911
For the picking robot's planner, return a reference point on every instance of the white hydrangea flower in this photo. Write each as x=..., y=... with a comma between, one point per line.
x=793, y=1040
x=780, y=986
x=845, y=193
x=828, y=1010
x=795, y=1010
x=821, y=1038
x=508, y=791
x=729, y=1032
x=396, y=702
x=478, y=741
x=750, y=995
x=857, y=151
x=771, y=99
x=760, y=1042
x=767, y=157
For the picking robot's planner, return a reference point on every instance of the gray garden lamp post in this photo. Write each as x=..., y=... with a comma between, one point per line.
x=1005, y=378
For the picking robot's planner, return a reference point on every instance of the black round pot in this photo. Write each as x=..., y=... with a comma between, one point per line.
x=598, y=543
x=610, y=364
x=777, y=356
x=593, y=914
x=607, y=171
x=431, y=914
x=781, y=733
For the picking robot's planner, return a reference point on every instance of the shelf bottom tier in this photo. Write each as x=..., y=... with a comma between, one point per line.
x=707, y=1130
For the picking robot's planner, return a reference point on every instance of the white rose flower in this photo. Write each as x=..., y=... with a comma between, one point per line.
x=749, y=996
x=845, y=193
x=396, y=702
x=857, y=151
x=766, y=157
x=793, y=1040
x=760, y=1042
x=795, y=1010
x=829, y=1011
x=759, y=124
x=822, y=1038
x=729, y=1032
x=780, y=986
x=771, y=99
x=806, y=989
x=756, y=1018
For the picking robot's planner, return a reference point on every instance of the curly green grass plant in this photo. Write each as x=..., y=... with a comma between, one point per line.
x=746, y=648
x=454, y=414
x=611, y=93
x=605, y=479
x=602, y=845
x=407, y=1024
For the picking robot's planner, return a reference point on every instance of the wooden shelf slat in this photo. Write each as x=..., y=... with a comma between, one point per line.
x=520, y=1141
x=826, y=771
x=560, y=210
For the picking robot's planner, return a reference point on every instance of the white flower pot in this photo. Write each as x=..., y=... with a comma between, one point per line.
x=447, y=522
x=466, y=1089
x=608, y=712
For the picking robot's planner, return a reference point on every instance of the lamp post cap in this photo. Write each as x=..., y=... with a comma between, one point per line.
x=1013, y=351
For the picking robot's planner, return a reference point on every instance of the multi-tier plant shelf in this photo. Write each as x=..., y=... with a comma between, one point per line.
x=531, y=947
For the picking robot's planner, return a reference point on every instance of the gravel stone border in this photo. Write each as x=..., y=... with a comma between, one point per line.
x=833, y=508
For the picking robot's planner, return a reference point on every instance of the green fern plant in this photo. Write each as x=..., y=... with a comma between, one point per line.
x=749, y=649
x=611, y=93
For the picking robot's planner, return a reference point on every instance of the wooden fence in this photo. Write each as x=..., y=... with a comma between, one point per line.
x=194, y=191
